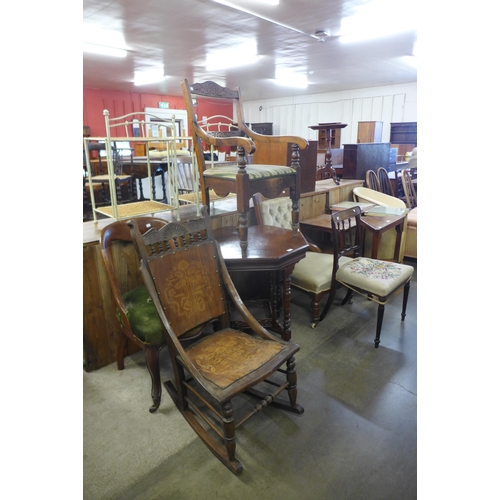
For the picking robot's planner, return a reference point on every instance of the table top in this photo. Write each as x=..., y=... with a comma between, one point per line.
x=269, y=247
x=330, y=126
x=381, y=210
x=374, y=222
x=382, y=223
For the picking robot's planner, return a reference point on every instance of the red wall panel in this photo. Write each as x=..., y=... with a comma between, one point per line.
x=119, y=103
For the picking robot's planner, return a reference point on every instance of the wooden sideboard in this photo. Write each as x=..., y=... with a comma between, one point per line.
x=370, y=132
x=359, y=158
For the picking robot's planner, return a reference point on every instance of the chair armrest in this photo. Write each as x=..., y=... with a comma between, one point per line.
x=247, y=316
x=277, y=139
x=313, y=247
x=247, y=144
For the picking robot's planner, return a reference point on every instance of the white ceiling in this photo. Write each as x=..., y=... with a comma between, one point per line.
x=180, y=34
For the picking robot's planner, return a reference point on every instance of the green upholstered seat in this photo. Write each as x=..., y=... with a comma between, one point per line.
x=254, y=171
x=142, y=315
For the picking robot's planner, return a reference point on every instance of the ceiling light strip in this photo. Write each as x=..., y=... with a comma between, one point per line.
x=103, y=50
x=237, y=7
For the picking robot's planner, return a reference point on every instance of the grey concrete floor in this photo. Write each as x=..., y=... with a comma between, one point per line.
x=357, y=438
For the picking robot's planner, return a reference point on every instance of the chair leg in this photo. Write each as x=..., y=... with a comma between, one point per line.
x=229, y=432
x=406, y=293
x=315, y=311
x=153, y=363
x=120, y=352
x=380, y=318
x=291, y=377
x=329, y=301
x=347, y=298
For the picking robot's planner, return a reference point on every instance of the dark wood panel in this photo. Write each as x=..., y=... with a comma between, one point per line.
x=404, y=133
x=308, y=163
x=359, y=158
x=265, y=128
x=101, y=330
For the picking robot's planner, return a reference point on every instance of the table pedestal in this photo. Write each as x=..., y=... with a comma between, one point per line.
x=273, y=250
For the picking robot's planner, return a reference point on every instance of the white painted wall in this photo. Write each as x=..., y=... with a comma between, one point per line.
x=293, y=115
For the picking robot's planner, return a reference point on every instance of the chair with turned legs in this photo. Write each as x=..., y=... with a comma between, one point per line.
x=377, y=280
x=268, y=172
x=192, y=291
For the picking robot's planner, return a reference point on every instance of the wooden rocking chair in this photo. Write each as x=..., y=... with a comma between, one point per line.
x=191, y=288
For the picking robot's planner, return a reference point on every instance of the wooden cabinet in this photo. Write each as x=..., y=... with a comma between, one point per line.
x=323, y=138
x=404, y=133
x=263, y=128
x=359, y=158
x=370, y=132
x=404, y=138
x=140, y=149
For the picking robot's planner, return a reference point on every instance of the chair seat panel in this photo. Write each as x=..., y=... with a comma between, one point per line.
x=229, y=355
x=377, y=277
x=254, y=171
x=143, y=316
x=314, y=272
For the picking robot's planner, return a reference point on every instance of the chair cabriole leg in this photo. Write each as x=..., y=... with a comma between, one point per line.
x=120, y=352
x=153, y=363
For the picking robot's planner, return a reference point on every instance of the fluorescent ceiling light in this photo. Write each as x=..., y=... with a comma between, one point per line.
x=377, y=19
x=108, y=42
x=103, y=50
x=260, y=15
x=288, y=78
x=240, y=55
x=235, y=3
x=150, y=76
x=411, y=60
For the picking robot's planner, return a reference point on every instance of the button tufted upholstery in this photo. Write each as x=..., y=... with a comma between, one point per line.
x=313, y=274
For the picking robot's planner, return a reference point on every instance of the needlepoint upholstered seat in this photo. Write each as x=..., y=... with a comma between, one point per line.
x=377, y=280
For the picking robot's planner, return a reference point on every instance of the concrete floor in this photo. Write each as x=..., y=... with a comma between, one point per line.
x=357, y=438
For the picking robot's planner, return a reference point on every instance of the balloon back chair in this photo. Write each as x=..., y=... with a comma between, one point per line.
x=377, y=280
x=192, y=291
x=135, y=311
x=313, y=274
x=267, y=173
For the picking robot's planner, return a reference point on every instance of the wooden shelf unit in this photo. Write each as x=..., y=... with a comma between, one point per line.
x=404, y=138
x=370, y=131
x=322, y=138
x=404, y=133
